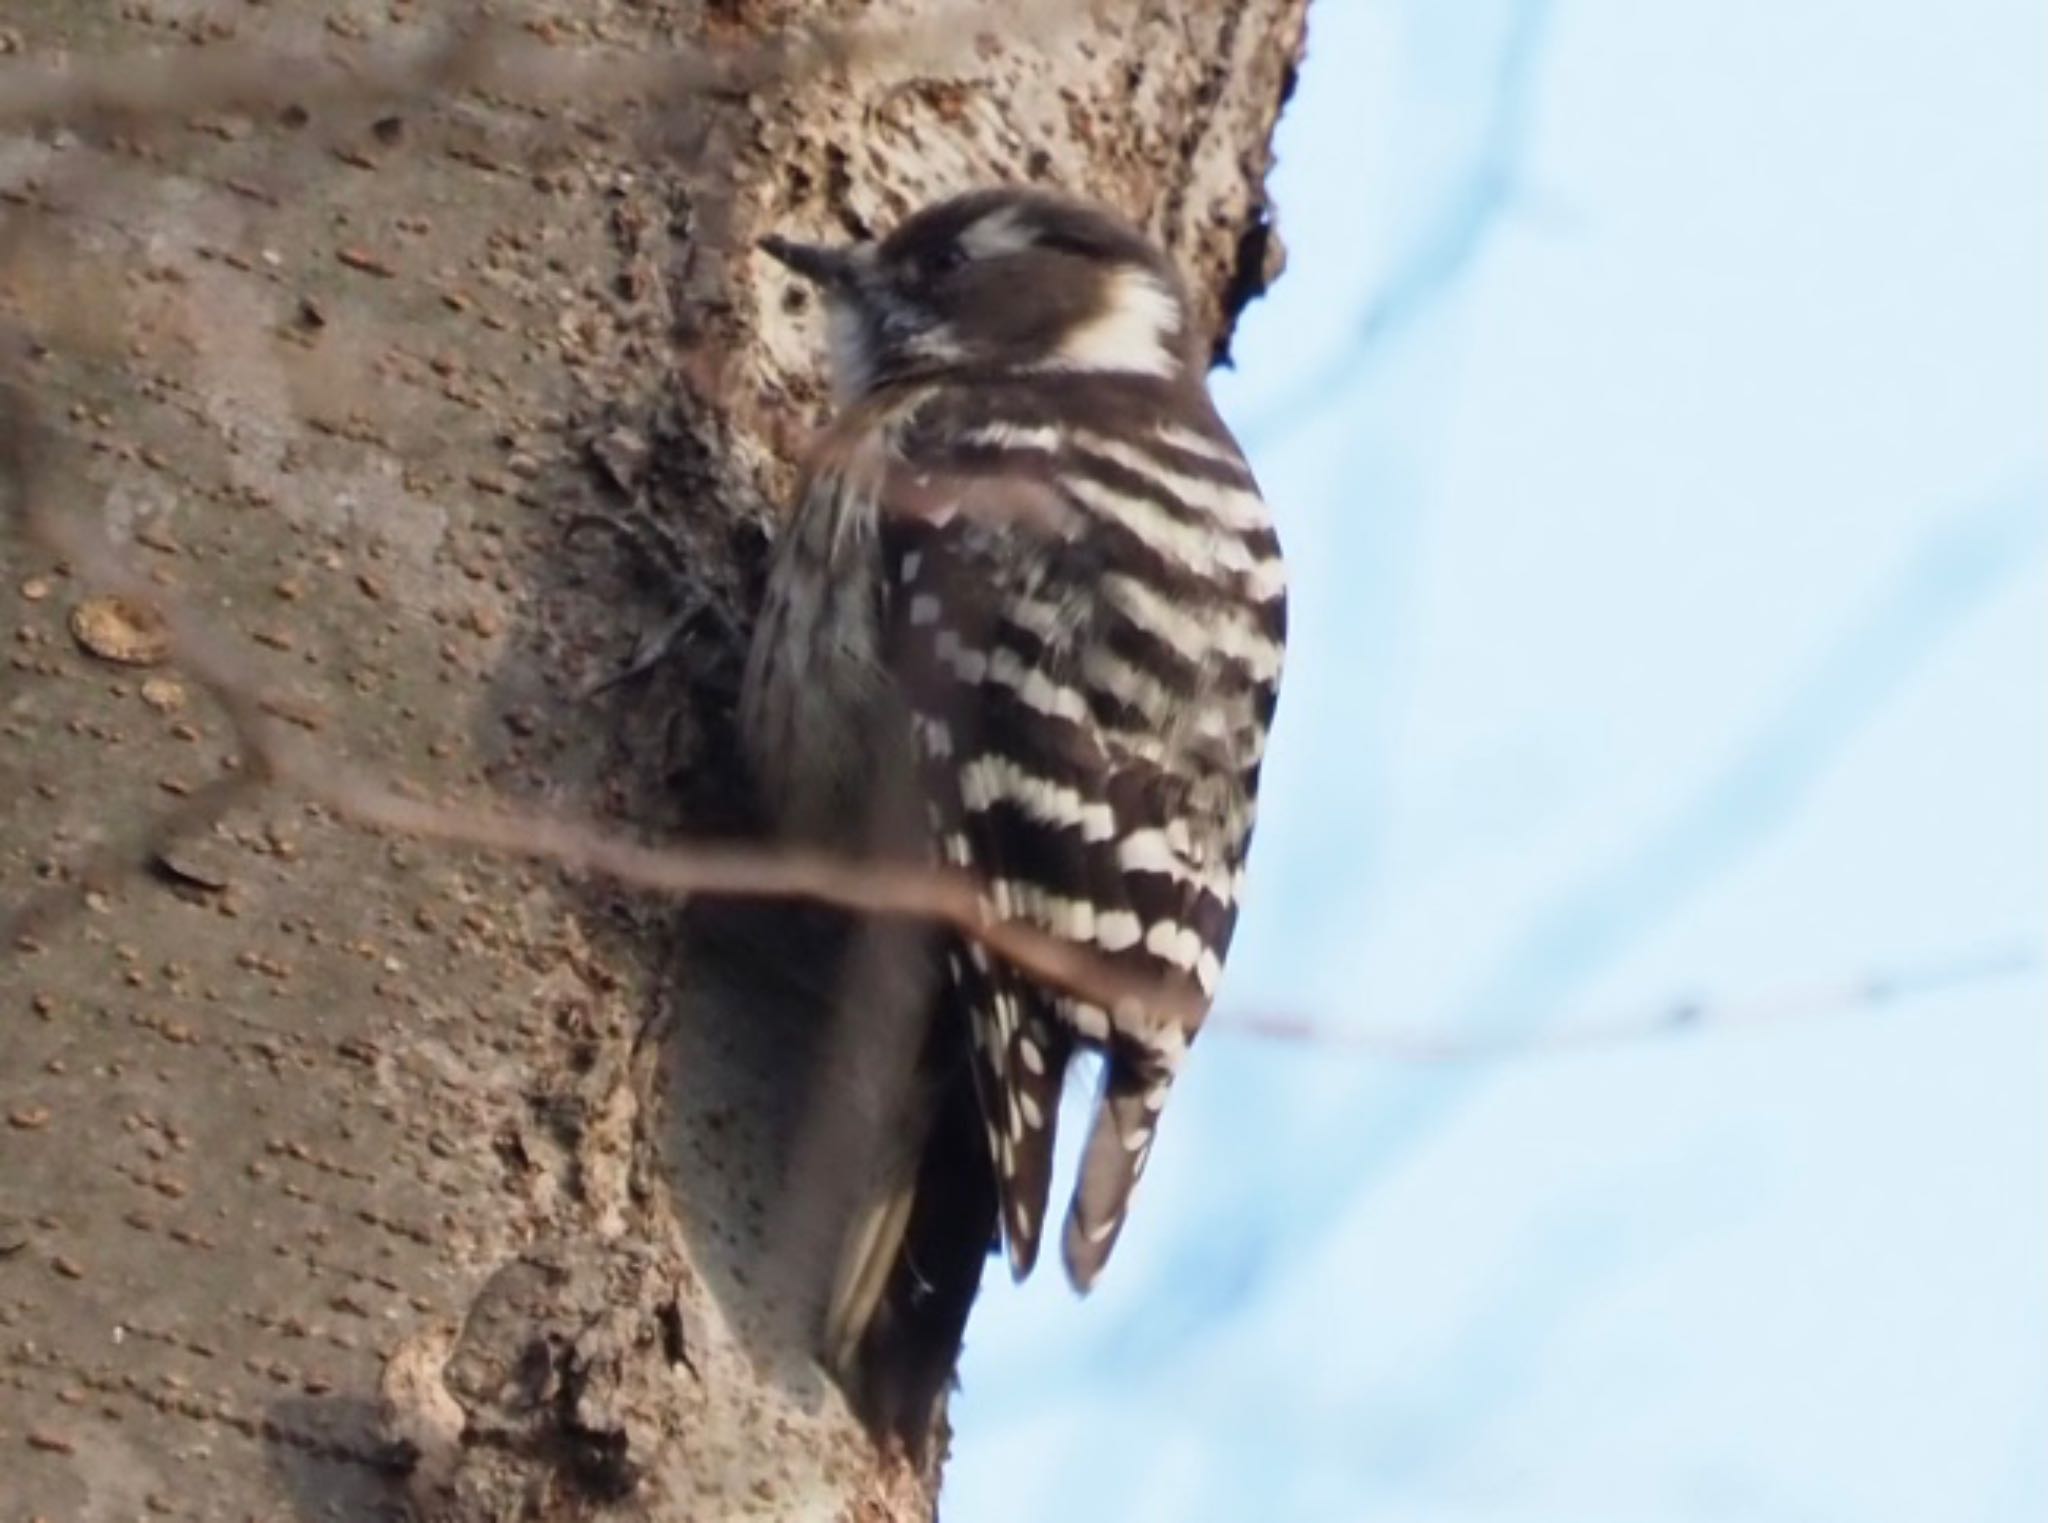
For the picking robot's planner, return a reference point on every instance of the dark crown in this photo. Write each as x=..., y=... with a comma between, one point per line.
x=1005, y=279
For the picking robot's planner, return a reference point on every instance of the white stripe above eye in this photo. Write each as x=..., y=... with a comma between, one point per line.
x=1001, y=232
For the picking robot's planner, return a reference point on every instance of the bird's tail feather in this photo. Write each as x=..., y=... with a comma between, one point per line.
x=1118, y=1144
x=873, y=1244
x=913, y=1257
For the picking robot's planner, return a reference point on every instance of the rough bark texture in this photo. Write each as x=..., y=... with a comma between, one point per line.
x=341, y=1173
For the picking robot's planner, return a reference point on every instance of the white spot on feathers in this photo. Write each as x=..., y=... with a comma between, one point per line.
x=988, y=780
x=1173, y=943
x=1117, y=930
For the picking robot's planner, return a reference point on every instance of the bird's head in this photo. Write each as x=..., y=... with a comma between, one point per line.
x=1000, y=280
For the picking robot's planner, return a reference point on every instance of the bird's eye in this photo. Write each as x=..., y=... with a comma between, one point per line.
x=945, y=259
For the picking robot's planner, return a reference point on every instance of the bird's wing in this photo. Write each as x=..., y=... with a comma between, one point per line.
x=1081, y=712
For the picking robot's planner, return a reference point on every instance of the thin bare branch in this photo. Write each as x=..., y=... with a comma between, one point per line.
x=274, y=750
x=1647, y=1023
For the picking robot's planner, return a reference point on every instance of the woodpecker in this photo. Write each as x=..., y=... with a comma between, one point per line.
x=1029, y=576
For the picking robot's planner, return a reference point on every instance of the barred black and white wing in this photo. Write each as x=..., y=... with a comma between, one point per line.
x=1088, y=622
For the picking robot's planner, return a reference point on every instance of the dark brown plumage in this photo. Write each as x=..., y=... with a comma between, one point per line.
x=1028, y=546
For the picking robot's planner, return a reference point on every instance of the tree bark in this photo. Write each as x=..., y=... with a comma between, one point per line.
x=342, y=1172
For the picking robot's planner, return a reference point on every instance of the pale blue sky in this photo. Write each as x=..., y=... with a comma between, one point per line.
x=1653, y=409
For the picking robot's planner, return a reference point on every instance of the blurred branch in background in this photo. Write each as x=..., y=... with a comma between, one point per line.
x=1443, y=254
x=270, y=749
x=1515, y=1038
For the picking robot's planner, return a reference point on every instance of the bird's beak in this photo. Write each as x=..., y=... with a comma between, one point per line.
x=822, y=264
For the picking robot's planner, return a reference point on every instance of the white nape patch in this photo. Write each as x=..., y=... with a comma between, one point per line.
x=1001, y=232
x=1131, y=335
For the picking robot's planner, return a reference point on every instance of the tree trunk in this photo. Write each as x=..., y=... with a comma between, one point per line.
x=341, y=1171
